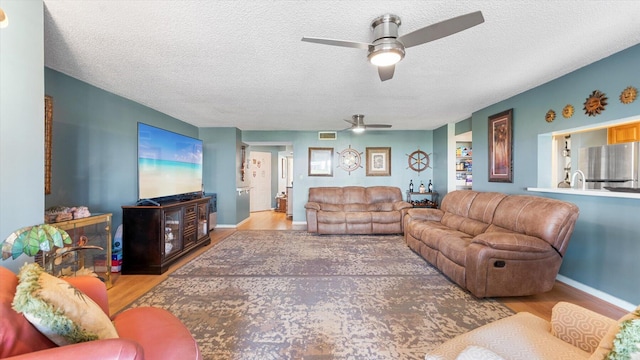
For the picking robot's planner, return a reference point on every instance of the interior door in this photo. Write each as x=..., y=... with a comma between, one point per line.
x=260, y=176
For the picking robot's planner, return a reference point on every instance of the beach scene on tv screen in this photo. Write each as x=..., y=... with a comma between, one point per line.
x=168, y=163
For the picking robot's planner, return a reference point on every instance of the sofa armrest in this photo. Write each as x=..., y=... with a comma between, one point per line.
x=312, y=206
x=401, y=205
x=92, y=287
x=512, y=242
x=578, y=326
x=425, y=214
x=111, y=349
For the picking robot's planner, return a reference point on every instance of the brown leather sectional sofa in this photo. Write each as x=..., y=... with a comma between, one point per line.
x=355, y=210
x=494, y=244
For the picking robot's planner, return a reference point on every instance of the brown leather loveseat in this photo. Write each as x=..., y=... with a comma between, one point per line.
x=355, y=210
x=494, y=244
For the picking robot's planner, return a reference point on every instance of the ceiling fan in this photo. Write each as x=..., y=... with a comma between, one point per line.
x=387, y=48
x=358, y=125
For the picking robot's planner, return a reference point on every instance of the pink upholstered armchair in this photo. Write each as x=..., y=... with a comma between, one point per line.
x=144, y=333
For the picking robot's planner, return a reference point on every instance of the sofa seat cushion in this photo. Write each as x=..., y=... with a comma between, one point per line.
x=464, y=224
x=431, y=233
x=358, y=217
x=522, y=336
x=331, y=207
x=355, y=207
x=454, y=248
x=512, y=242
x=380, y=207
x=386, y=217
x=331, y=217
x=475, y=352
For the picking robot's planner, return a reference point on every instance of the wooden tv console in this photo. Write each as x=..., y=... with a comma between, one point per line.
x=154, y=237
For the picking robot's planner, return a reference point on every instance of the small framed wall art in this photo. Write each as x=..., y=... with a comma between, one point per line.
x=320, y=161
x=501, y=147
x=378, y=161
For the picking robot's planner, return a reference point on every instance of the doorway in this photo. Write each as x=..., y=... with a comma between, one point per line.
x=260, y=177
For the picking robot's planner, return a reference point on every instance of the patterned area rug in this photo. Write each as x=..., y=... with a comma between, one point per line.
x=293, y=295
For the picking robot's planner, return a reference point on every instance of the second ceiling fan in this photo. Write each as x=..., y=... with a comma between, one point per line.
x=387, y=48
x=358, y=125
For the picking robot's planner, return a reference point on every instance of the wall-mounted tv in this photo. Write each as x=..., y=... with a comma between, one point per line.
x=169, y=164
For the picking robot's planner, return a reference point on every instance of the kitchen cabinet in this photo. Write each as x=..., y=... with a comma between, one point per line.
x=624, y=133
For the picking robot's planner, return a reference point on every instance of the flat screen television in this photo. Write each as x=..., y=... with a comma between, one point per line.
x=169, y=164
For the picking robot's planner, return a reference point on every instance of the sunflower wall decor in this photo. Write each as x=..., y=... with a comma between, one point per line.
x=550, y=116
x=628, y=95
x=595, y=103
x=567, y=111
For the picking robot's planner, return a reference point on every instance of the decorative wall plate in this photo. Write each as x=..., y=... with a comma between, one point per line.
x=550, y=116
x=567, y=111
x=418, y=160
x=595, y=103
x=349, y=159
x=628, y=95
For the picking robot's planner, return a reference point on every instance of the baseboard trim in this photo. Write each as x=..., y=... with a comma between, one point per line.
x=299, y=223
x=226, y=226
x=597, y=293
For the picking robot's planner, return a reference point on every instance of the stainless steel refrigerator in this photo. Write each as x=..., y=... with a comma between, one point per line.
x=611, y=167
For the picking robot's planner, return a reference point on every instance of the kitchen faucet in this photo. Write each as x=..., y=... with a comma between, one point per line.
x=573, y=179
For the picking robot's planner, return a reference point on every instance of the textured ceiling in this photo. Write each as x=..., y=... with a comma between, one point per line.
x=241, y=63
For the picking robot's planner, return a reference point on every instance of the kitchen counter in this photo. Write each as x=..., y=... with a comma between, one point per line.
x=588, y=192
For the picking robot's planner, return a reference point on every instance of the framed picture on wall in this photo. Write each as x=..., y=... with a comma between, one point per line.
x=320, y=161
x=501, y=147
x=378, y=161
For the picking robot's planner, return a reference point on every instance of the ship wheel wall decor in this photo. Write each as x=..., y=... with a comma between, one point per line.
x=418, y=160
x=349, y=159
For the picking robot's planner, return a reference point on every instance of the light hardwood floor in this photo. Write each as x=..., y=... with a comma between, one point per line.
x=127, y=288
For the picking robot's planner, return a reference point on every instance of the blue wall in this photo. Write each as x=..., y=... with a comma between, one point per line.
x=605, y=242
x=94, y=155
x=21, y=120
x=402, y=143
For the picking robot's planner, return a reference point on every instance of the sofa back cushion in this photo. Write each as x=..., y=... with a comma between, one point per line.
x=548, y=219
x=469, y=211
x=354, y=195
x=357, y=195
x=458, y=202
x=17, y=335
x=383, y=194
x=326, y=195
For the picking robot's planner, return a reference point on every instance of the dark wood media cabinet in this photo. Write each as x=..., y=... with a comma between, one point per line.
x=154, y=237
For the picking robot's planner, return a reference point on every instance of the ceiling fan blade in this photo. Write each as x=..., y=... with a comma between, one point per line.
x=379, y=126
x=441, y=29
x=386, y=72
x=343, y=43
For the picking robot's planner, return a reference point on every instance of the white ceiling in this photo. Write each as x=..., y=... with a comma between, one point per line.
x=241, y=63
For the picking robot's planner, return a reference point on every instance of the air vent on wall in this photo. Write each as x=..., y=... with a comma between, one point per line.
x=327, y=135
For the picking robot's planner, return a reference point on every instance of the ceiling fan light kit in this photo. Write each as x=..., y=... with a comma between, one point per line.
x=386, y=53
x=358, y=125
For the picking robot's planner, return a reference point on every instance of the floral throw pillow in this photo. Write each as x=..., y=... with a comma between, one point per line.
x=58, y=310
